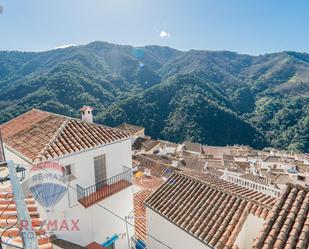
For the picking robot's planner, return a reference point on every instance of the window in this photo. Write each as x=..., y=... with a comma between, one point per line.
x=100, y=168
x=68, y=170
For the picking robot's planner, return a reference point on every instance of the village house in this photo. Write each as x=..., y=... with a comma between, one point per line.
x=168, y=148
x=270, y=162
x=134, y=130
x=202, y=211
x=145, y=145
x=98, y=163
x=194, y=148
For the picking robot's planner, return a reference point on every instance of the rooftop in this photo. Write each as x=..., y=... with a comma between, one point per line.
x=271, y=159
x=38, y=135
x=193, y=147
x=145, y=143
x=132, y=129
x=95, y=245
x=208, y=208
x=140, y=213
x=259, y=179
x=10, y=229
x=287, y=226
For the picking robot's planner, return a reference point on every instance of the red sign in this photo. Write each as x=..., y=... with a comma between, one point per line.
x=2, y=157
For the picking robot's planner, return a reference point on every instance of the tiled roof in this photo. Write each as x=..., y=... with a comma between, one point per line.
x=140, y=214
x=10, y=230
x=168, y=144
x=95, y=245
x=39, y=135
x=216, y=151
x=155, y=163
x=287, y=226
x=232, y=166
x=85, y=108
x=259, y=179
x=257, y=197
x=194, y=147
x=228, y=157
x=150, y=183
x=215, y=163
x=208, y=208
x=273, y=159
x=193, y=162
x=243, y=165
x=145, y=143
x=215, y=172
x=132, y=129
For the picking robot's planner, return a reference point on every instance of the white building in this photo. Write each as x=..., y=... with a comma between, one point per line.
x=270, y=162
x=200, y=211
x=97, y=160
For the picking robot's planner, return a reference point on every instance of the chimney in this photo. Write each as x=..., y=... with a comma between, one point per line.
x=86, y=112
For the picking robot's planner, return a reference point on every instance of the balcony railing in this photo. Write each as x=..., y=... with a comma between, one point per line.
x=101, y=190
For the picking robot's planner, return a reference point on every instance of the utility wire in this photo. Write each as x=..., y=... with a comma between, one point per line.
x=113, y=213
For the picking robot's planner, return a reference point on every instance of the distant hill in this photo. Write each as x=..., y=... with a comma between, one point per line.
x=213, y=97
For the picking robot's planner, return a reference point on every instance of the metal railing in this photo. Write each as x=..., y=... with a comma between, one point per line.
x=101, y=190
x=21, y=173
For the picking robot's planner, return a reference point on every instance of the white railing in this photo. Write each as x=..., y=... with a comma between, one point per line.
x=265, y=189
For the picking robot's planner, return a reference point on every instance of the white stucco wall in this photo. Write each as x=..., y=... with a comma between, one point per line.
x=249, y=232
x=169, y=234
x=117, y=155
x=95, y=223
x=9, y=155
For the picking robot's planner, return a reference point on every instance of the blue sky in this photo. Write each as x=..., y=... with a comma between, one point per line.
x=245, y=26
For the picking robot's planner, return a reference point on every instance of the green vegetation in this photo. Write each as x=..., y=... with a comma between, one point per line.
x=213, y=97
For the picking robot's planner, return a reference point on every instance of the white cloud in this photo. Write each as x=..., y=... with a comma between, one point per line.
x=165, y=34
x=65, y=46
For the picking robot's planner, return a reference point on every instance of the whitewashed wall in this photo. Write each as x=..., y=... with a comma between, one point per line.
x=117, y=155
x=96, y=223
x=9, y=155
x=249, y=232
x=170, y=234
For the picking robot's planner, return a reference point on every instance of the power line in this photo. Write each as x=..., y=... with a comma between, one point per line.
x=113, y=213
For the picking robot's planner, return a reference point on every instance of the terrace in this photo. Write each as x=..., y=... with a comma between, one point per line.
x=101, y=190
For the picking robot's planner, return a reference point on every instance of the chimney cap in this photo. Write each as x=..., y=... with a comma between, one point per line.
x=86, y=108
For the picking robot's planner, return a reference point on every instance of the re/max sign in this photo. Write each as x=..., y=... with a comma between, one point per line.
x=52, y=225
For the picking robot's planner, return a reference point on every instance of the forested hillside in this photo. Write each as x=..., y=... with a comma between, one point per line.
x=213, y=97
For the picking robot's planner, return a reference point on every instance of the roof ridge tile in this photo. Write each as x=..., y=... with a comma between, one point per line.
x=51, y=142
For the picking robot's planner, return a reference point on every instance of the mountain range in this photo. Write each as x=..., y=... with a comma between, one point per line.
x=212, y=97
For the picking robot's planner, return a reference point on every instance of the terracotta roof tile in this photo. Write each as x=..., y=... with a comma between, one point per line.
x=132, y=129
x=9, y=224
x=39, y=135
x=207, y=207
x=287, y=225
x=259, y=179
x=140, y=213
